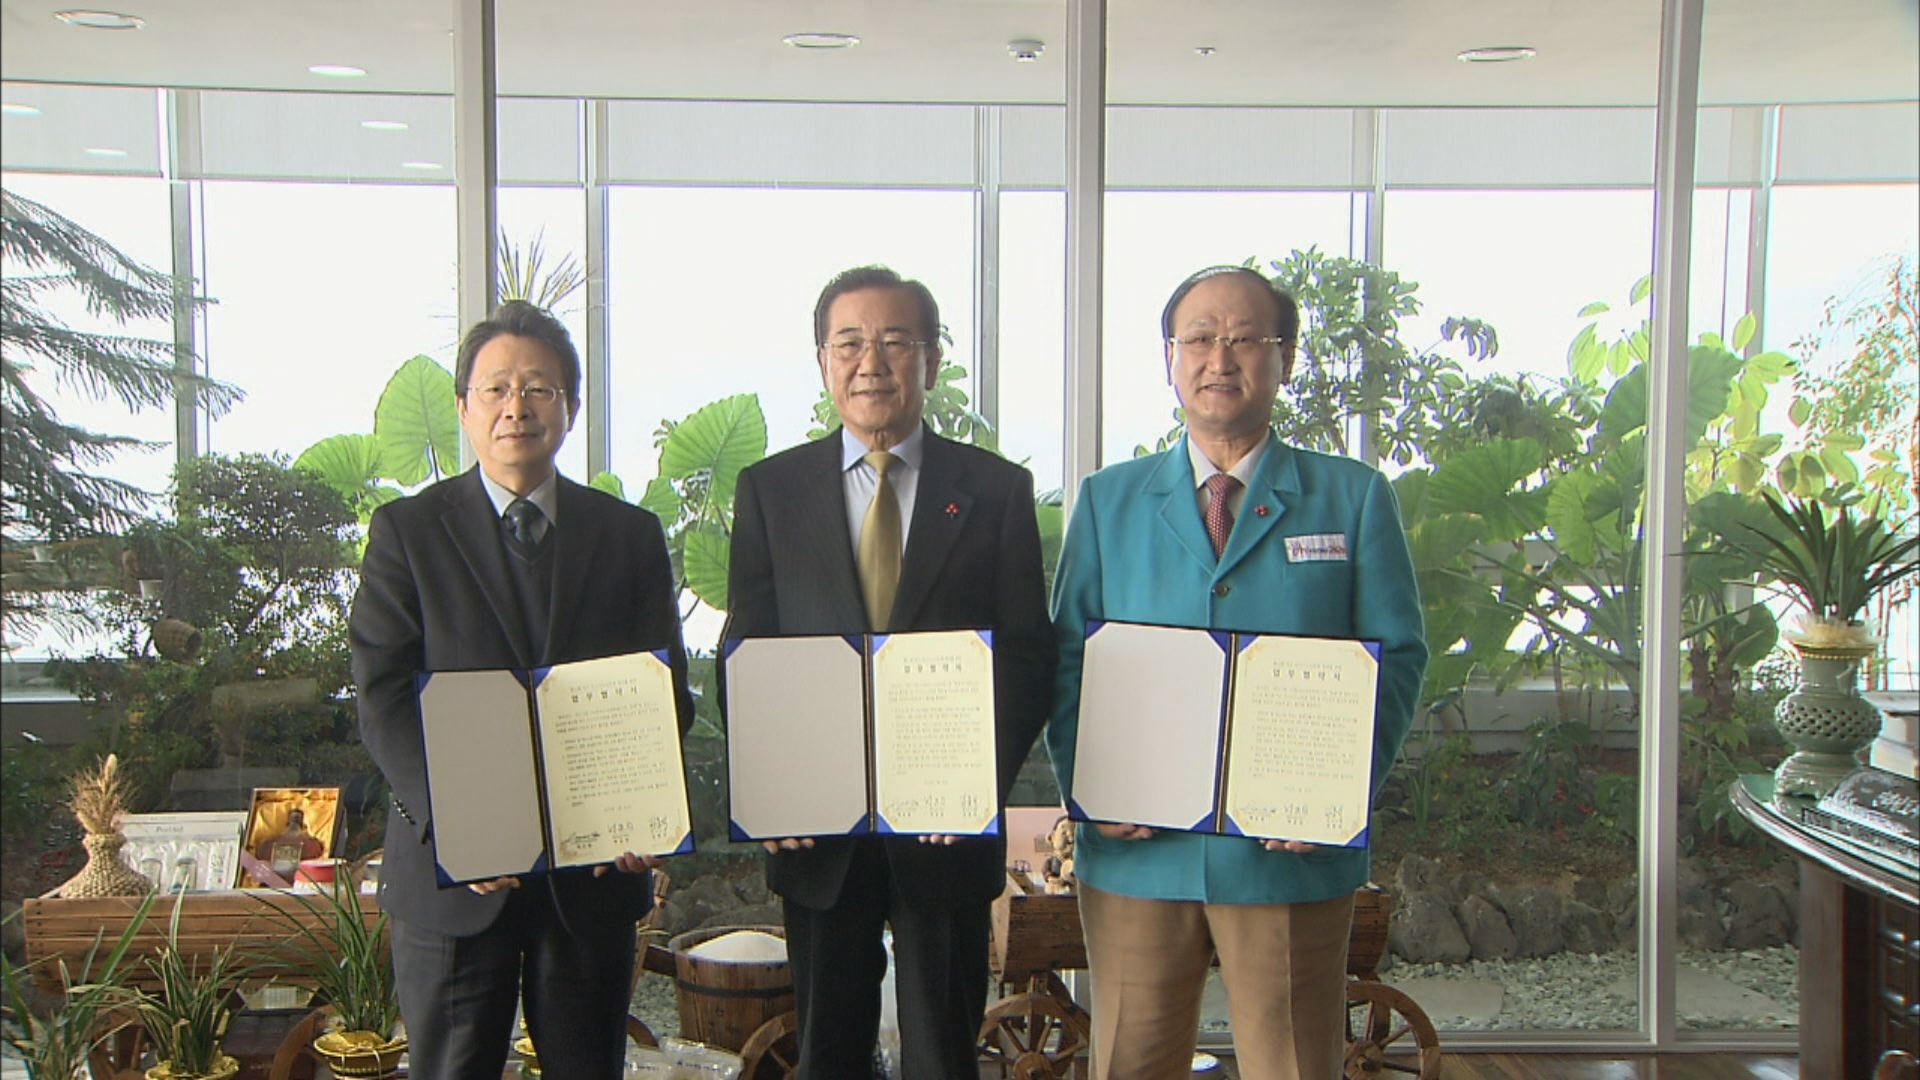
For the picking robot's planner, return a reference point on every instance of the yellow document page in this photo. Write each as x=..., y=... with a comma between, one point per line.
x=933, y=735
x=1300, y=739
x=610, y=739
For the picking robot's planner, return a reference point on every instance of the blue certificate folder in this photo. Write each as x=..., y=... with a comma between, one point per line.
x=571, y=765
x=1238, y=734
x=850, y=735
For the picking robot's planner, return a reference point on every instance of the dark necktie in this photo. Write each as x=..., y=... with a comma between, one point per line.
x=523, y=527
x=1219, y=517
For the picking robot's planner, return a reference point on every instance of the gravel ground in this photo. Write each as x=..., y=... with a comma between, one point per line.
x=654, y=1002
x=1582, y=992
x=1565, y=992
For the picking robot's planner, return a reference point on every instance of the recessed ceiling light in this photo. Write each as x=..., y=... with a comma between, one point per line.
x=422, y=166
x=1026, y=50
x=814, y=40
x=100, y=20
x=338, y=71
x=106, y=151
x=1204, y=50
x=1497, y=54
x=383, y=125
x=15, y=109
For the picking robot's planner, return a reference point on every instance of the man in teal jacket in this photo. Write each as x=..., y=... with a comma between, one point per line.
x=1285, y=541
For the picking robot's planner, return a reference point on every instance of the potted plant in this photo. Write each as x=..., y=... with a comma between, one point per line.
x=56, y=1043
x=348, y=960
x=185, y=1013
x=1833, y=563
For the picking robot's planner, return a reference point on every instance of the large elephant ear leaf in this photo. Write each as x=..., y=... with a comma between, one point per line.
x=717, y=441
x=1484, y=480
x=416, y=424
x=345, y=462
x=705, y=565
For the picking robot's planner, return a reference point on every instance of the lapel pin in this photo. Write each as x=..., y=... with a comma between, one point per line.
x=953, y=509
x=1260, y=511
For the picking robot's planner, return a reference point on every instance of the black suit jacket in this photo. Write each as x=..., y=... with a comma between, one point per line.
x=972, y=560
x=435, y=596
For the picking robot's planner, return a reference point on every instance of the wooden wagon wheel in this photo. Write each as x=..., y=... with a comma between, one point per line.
x=640, y=1033
x=119, y=1043
x=1034, y=1036
x=1380, y=1020
x=296, y=1056
x=772, y=1052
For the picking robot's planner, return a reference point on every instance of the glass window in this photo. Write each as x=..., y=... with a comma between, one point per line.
x=323, y=291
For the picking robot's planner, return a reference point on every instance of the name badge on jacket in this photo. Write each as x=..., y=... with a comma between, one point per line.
x=1319, y=547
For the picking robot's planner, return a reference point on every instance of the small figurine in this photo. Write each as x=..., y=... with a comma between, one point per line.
x=1059, y=865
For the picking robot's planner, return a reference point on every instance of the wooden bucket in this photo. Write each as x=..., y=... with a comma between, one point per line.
x=723, y=1004
x=1372, y=910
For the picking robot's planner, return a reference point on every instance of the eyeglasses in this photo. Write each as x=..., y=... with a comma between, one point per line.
x=534, y=392
x=848, y=350
x=1242, y=348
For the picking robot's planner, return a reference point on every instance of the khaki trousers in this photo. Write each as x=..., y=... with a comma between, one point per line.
x=1284, y=967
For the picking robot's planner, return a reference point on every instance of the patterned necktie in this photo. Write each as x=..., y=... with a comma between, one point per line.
x=879, y=554
x=1219, y=517
x=523, y=524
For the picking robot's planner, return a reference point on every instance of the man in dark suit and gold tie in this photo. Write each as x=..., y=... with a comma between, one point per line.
x=508, y=565
x=883, y=525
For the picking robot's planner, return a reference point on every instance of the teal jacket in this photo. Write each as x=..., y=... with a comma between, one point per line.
x=1137, y=551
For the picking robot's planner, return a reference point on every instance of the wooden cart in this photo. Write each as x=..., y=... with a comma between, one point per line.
x=1037, y=1031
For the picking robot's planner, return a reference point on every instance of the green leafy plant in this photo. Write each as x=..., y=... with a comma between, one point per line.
x=1870, y=401
x=345, y=957
x=54, y=1043
x=528, y=276
x=415, y=441
x=186, y=1012
x=1831, y=560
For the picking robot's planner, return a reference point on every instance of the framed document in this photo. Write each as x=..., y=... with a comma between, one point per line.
x=570, y=765
x=191, y=852
x=1260, y=735
x=875, y=733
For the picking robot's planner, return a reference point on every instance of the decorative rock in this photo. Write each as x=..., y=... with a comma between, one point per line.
x=1759, y=917
x=1423, y=929
x=1699, y=926
x=1534, y=913
x=1586, y=929
x=1419, y=874
x=1488, y=933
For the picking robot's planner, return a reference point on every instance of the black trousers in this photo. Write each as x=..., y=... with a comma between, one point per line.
x=573, y=981
x=839, y=960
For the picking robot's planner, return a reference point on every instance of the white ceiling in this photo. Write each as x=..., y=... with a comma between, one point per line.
x=1269, y=52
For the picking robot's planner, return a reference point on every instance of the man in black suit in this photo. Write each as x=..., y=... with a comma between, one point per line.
x=964, y=551
x=509, y=565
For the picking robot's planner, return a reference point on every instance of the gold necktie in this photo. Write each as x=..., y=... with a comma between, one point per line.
x=880, y=544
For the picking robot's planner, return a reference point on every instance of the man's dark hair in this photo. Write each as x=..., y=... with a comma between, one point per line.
x=521, y=319
x=1288, y=310
x=876, y=277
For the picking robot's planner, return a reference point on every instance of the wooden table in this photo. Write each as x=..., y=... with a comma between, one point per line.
x=1859, y=943
x=254, y=921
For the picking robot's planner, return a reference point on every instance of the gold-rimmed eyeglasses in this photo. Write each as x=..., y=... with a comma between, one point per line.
x=536, y=393
x=848, y=350
x=1205, y=345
